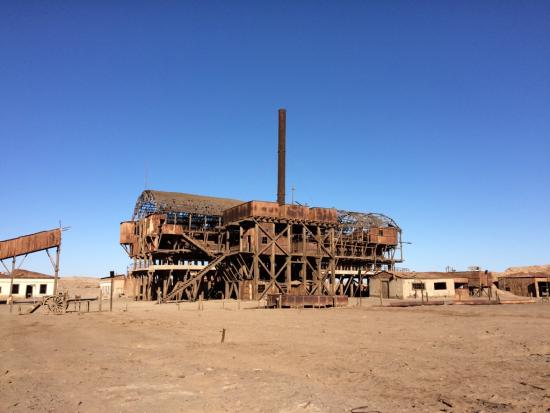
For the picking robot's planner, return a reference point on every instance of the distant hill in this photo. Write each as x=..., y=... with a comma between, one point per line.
x=533, y=269
x=83, y=286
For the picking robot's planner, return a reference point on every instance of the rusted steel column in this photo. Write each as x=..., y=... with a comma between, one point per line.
x=282, y=157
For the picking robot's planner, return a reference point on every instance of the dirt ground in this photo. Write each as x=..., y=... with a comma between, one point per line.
x=145, y=357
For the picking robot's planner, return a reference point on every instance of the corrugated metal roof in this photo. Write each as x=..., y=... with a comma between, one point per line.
x=151, y=201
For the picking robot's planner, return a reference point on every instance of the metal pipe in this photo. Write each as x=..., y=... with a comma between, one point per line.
x=282, y=157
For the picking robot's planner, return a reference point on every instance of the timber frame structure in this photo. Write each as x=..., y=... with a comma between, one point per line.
x=187, y=246
x=29, y=244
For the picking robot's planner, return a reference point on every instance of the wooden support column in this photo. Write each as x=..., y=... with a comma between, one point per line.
x=304, y=260
x=255, y=264
x=56, y=269
x=165, y=285
x=134, y=285
x=240, y=238
x=10, y=292
x=318, y=276
x=288, y=271
x=332, y=263
x=272, y=271
x=149, y=286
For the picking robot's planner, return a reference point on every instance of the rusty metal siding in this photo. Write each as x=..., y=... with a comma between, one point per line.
x=274, y=210
x=294, y=212
x=524, y=286
x=172, y=229
x=251, y=209
x=386, y=235
x=323, y=215
x=127, y=232
x=153, y=224
x=30, y=243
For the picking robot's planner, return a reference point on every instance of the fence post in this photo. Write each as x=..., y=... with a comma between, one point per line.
x=112, y=275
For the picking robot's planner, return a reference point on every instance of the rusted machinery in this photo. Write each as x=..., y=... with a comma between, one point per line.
x=183, y=246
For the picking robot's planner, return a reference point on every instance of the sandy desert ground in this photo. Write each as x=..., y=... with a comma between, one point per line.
x=145, y=357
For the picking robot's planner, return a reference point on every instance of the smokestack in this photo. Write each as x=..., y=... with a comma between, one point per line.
x=282, y=157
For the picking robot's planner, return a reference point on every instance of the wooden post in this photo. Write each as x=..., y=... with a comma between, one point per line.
x=11, y=283
x=100, y=299
x=223, y=335
x=112, y=274
x=56, y=269
x=361, y=289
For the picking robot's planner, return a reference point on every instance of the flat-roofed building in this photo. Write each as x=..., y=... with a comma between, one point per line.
x=415, y=284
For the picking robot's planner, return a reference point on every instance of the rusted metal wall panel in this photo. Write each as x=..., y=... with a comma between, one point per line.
x=251, y=209
x=274, y=210
x=127, y=231
x=153, y=224
x=172, y=229
x=30, y=243
x=518, y=286
x=294, y=212
x=323, y=215
x=386, y=235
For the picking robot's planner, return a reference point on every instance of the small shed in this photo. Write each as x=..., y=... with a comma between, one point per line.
x=26, y=284
x=118, y=285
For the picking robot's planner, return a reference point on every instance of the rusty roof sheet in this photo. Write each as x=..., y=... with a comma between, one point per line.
x=534, y=274
x=433, y=275
x=151, y=201
x=27, y=244
x=21, y=273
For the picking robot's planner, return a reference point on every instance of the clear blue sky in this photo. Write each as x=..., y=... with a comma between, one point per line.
x=435, y=113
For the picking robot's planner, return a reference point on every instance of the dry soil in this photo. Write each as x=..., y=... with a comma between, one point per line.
x=145, y=357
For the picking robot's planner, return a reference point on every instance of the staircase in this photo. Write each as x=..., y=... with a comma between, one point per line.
x=181, y=286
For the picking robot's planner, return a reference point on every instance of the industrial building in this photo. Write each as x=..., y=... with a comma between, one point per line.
x=186, y=246
x=533, y=284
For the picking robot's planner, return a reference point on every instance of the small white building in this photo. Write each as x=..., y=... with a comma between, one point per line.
x=413, y=285
x=118, y=286
x=26, y=284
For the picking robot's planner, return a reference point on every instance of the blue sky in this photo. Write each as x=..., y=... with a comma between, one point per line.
x=435, y=113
